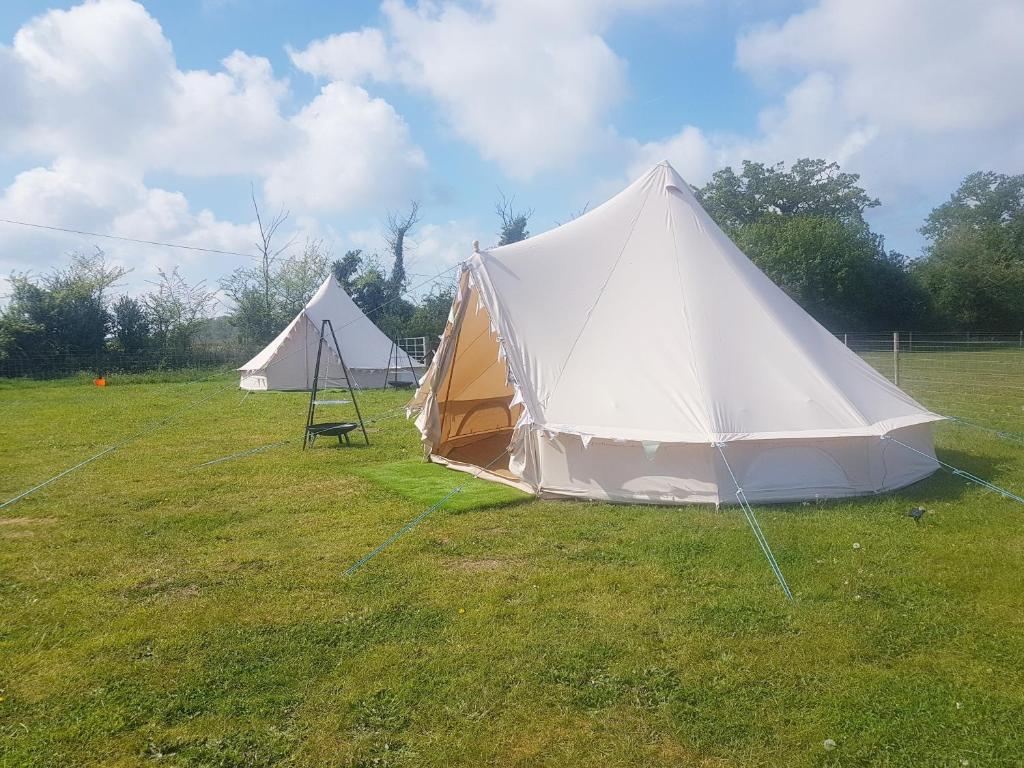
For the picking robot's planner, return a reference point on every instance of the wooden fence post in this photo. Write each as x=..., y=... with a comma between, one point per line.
x=896, y=358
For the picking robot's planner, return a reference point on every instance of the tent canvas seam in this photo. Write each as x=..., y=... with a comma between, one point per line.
x=689, y=329
x=604, y=286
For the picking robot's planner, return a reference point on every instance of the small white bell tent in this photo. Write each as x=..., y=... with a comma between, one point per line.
x=289, y=361
x=636, y=355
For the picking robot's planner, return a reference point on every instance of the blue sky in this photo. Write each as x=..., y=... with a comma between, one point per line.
x=153, y=120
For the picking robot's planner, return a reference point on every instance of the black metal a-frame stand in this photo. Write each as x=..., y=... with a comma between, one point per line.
x=396, y=350
x=339, y=429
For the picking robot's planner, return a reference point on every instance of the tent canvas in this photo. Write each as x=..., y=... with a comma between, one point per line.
x=629, y=354
x=288, y=362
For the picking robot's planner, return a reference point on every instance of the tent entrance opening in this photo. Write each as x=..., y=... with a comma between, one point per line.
x=477, y=417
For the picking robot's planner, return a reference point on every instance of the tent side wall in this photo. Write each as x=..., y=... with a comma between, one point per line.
x=291, y=366
x=288, y=362
x=469, y=417
x=769, y=471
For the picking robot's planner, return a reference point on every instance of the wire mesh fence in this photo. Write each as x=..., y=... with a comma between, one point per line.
x=978, y=377
x=44, y=365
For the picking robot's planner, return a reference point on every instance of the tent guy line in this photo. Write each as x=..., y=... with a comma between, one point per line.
x=188, y=406
x=418, y=519
x=387, y=415
x=755, y=526
x=963, y=473
x=1005, y=434
x=147, y=430
x=158, y=243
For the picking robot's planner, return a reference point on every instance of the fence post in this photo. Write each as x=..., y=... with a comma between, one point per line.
x=1020, y=343
x=896, y=358
x=844, y=341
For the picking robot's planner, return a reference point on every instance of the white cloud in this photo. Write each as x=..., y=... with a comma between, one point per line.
x=439, y=246
x=930, y=66
x=528, y=83
x=102, y=82
x=807, y=123
x=349, y=56
x=353, y=151
x=689, y=150
x=912, y=94
x=95, y=101
x=82, y=69
x=222, y=122
x=79, y=196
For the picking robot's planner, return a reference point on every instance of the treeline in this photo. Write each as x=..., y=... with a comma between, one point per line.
x=267, y=295
x=805, y=226
x=69, y=320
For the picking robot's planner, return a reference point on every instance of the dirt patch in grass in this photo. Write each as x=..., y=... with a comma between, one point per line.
x=27, y=520
x=479, y=564
x=20, y=527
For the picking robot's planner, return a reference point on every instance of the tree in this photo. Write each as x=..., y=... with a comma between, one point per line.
x=975, y=278
x=431, y=316
x=267, y=296
x=177, y=309
x=973, y=267
x=297, y=278
x=809, y=187
x=983, y=198
x=513, y=222
x=805, y=228
x=370, y=285
x=63, y=312
x=252, y=289
x=130, y=325
x=346, y=268
x=575, y=214
x=837, y=270
x=398, y=228
x=372, y=293
x=24, y=323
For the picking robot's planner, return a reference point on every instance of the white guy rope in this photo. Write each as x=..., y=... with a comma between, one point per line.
x=960, y=472
x=1006, y=435
x=748, y=512
x=127, y=239
x=394, y=413
x=419, y=518
x=149, y=429
x=57, y=477
x=189, y=406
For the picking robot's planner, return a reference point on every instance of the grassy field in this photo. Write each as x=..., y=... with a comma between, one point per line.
x=153, y=612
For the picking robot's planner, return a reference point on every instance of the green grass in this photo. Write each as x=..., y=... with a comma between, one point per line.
x=156, y=613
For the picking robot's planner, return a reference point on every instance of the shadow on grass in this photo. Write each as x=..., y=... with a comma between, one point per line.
x=941, y=486
x=425, y=484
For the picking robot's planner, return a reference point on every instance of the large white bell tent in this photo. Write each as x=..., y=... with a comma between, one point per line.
x=289, y=361
x=636, y=355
